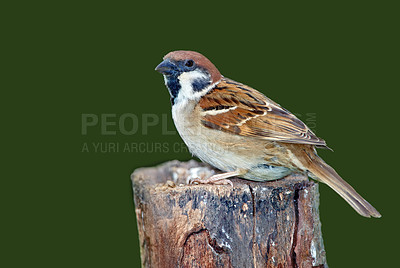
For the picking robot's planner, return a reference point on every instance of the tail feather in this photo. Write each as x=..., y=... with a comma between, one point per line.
x=323, y=172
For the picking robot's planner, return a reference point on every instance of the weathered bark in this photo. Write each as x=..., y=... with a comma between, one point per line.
x=253, y=224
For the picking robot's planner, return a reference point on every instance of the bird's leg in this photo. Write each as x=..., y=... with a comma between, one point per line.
x=219, y=178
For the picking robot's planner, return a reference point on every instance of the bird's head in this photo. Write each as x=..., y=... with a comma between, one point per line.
x=188, y=75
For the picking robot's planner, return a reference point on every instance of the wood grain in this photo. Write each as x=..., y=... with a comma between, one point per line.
x=253, y=224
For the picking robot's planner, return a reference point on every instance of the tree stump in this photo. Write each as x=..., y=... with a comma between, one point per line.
x=253, y=224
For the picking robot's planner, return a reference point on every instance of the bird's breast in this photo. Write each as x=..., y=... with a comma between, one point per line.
x=226, y=151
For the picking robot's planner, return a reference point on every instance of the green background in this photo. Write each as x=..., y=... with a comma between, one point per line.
x=62, y=207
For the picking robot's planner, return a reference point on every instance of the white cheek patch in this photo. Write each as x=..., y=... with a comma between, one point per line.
x=186, y=92
x=186, y=80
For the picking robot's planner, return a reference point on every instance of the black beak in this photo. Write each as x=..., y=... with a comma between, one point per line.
x=166, y=67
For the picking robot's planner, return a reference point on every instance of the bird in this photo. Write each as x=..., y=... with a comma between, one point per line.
x=243, y=133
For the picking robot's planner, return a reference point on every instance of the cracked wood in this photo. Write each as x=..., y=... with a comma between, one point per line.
x=253, y=224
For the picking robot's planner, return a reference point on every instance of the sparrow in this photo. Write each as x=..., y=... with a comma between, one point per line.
x=238, y=130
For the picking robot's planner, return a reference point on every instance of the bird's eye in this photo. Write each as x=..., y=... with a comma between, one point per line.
x=189, y=63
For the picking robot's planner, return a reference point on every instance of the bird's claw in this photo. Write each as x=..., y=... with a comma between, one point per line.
x=211, y=180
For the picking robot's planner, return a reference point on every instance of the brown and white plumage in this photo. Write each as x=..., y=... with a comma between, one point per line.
x=242, y=132
x=246, y=112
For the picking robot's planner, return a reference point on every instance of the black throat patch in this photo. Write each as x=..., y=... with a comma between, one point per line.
x=173, y=86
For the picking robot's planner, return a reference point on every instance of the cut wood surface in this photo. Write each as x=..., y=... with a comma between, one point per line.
x=253, y=224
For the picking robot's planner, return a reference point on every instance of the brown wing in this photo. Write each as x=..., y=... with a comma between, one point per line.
x=236, y=108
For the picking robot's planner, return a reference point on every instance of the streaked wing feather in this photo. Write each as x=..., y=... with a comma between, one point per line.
x=238, y=109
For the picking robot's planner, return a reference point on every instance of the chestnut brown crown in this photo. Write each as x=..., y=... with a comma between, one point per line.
x=199, y=59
